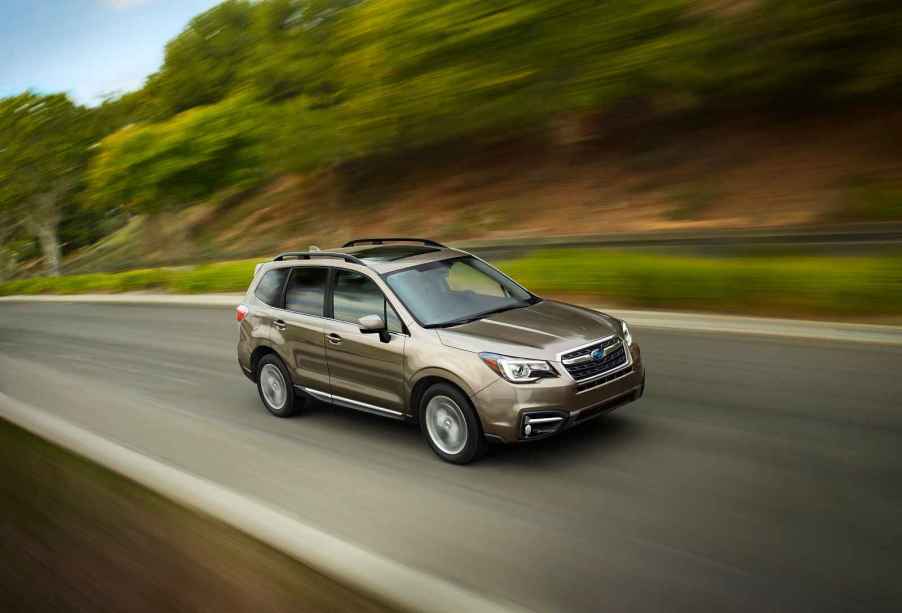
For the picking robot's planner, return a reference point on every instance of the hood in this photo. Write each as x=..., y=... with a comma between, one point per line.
x=540, y=331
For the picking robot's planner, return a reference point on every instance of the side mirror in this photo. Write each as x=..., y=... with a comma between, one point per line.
x=374, y=324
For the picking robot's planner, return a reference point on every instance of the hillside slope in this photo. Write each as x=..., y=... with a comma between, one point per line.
x=735, y=172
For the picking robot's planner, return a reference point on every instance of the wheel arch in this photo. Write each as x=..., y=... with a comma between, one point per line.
x=257, y=355
x=429, y=377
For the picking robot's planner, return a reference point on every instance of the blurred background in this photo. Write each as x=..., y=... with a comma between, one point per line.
x=282, y=123
x=722, y=156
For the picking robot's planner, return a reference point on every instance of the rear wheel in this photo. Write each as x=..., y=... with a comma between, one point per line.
x=450, y=425
x=275, y=387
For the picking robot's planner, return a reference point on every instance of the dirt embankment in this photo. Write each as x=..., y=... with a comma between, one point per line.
x=77, y=537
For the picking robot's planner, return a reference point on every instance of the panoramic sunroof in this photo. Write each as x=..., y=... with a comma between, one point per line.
x=390, y=253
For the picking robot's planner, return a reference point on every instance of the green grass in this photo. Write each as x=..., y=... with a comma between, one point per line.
x=817, y=286
x=782, y=285
x=231, y=276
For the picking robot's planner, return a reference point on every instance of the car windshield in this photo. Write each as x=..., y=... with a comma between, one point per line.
x=455, y=291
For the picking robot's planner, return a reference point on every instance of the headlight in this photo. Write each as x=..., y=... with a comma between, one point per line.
x=518, y=370
x=627, y=337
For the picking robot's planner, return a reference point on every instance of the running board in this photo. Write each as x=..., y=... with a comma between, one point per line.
x=351, y=404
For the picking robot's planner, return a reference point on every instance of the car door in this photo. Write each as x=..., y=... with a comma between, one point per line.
x=301, y=326
x=366, y=372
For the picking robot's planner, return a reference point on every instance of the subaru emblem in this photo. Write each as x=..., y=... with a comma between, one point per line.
x=598, y=354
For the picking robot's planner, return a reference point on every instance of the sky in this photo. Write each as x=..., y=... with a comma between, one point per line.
x=87, y=48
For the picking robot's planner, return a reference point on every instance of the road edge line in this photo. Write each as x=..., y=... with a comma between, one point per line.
x=392, y=582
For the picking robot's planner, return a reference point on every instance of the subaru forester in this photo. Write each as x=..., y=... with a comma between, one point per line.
x=413, y=330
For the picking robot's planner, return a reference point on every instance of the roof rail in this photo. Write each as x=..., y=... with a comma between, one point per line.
x=394, y=239
x=307, y=255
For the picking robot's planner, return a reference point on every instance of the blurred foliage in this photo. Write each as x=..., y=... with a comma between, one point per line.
x=342, y=80
x=151, y=167
x=44, y=148
x=419, y=71
x=203, y=64
x=44, y=139
x=296, y=50
x=332, y=83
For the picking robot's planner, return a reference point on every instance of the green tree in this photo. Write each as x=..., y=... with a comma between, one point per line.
x=202, y=64
x=44, y=147
x=806, y=51
x=422, y=71
x=296, y=49
x=147, y=168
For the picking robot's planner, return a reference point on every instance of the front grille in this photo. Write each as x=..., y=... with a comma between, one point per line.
x=581, y=366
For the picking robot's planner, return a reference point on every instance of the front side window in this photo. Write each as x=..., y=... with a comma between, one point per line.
x=356, y=295
x=451, y=292
x=269, y=290
x=306, y=292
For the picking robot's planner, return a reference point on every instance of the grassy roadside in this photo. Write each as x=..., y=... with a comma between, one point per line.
x=791, y=286
x=78, y=537
x=231, y=276
x=814, y=286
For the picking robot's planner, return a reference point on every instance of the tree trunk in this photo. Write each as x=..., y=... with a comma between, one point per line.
x=51, y=247
x=7, y=262
x=43, y=219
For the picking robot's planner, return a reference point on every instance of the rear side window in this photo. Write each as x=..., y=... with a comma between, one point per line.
x=306, y=291
x=356, y=295
x=269, y=290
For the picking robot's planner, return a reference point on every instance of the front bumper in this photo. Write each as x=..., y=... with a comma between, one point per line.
x=505, y=408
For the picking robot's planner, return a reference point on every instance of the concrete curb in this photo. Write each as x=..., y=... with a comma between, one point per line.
x=389, y=581
x=662, y=320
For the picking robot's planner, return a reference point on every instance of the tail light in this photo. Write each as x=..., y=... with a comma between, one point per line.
x=241, y=312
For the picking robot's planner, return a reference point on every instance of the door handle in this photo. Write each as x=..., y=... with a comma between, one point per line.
x=279, y=325
x=335, y=339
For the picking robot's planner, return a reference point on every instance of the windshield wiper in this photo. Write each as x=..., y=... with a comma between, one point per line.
x=469, y=318
x=455, y=322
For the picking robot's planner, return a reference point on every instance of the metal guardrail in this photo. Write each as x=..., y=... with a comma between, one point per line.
x=841, y=236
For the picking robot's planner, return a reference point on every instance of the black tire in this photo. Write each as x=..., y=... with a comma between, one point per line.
x=475, y=445
x=268, y=377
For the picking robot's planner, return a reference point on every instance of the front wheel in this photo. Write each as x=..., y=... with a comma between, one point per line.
x=450, y=425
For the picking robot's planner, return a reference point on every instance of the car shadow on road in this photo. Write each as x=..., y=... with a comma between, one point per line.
x=590, y=440
x=586, y=442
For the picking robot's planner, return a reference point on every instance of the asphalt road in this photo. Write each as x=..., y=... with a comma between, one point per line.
x=757, y=473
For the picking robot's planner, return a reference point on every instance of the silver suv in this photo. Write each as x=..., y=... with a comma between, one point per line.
x=412, y=330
